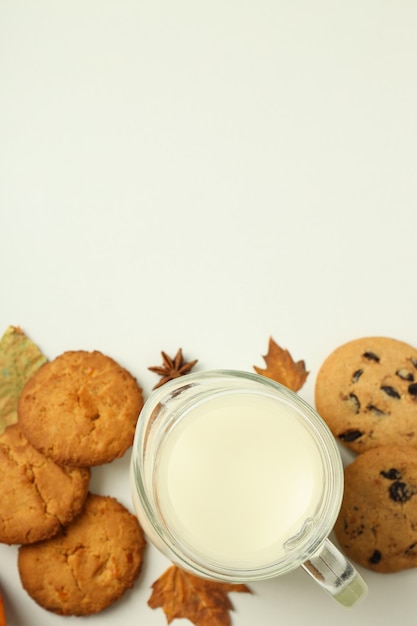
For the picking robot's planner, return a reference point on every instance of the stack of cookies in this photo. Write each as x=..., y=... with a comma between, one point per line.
x=79, y=552
x=366, y=391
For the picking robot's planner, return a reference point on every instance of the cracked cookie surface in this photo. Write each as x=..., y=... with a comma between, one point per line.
x=89, y=565
x=377, y=523
x=366, y=391
x=80, y=409
x=37, y=496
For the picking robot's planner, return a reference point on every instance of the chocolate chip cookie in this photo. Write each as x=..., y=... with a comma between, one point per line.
x=80, y=409
x=366, y=391
x=89, y=565
x=37, y=496
x=377, y=523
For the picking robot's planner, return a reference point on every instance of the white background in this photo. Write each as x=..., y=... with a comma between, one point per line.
x=204, y=175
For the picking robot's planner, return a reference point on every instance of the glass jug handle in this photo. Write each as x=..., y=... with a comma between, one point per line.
x=336, y=575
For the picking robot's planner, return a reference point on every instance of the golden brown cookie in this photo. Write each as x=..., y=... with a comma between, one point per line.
x=37, y=496
x=377, y=523
x=366, y=391
x=89, y=565
x=80, y=409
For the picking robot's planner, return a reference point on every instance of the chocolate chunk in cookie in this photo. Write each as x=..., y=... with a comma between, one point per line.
x=89, y=565
x=377, y=523
x=80, y=409
x=366, y=394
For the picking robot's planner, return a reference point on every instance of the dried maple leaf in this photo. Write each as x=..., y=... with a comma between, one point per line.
x=281, y=367
x=19, y=359
x=172, y=367
x=203, y=602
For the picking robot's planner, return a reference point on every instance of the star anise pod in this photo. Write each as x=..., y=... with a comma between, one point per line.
x=172, y=367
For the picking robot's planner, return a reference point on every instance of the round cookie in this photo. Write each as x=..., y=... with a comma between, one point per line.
x=89, y=565
x=37, y=496
x=377, y=523
x=80, y=409
x=366, y=391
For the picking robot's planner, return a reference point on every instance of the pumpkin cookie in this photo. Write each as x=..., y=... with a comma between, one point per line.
x=366, y=391
x=37, y=496
x=80, y=409
x=377, y=523
x=89, y=565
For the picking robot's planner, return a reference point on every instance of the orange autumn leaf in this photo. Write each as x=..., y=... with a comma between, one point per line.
x=281, y=367
x=2, y=613
x=203, y=602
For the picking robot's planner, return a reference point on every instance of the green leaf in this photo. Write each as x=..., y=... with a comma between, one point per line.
x=19, y=359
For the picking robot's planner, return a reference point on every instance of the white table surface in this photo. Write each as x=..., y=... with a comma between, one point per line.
x=204, y=175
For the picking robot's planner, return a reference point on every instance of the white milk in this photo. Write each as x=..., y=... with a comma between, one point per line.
x=238, y=477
